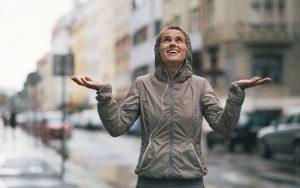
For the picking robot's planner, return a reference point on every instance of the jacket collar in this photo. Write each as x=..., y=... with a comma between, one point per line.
x=184, y=73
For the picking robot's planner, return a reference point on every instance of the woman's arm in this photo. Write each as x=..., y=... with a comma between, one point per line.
x=223, y=120
x=116, y=119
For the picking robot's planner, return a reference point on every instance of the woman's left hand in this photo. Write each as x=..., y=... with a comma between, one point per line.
x=246, y=83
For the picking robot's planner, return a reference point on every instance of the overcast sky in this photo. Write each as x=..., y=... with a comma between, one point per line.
x=25, y=34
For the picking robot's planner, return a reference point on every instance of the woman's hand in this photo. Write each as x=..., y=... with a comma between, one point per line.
x=87, y=82
x=246, y=83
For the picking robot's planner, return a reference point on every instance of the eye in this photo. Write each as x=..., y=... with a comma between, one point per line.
x=179, y=40
x=166, y=39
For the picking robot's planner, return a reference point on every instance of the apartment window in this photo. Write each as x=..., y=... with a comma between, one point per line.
x=157, y=27
x=122, y=48
x=255, y=12
x=281, y=5
x=140, y=71
x=177, y=20
x=269, y=5
x=210, y=12
x=195, y=20
x=140, y=36
x=138, y=3
x=268, y=66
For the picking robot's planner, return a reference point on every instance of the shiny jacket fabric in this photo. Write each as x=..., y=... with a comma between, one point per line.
x=171, y=112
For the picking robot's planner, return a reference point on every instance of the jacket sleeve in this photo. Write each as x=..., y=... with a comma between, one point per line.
x=222, y=120
x=117, y=119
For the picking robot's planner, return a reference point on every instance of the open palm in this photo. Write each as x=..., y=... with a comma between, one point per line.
x=87, y=82
x=255, y=81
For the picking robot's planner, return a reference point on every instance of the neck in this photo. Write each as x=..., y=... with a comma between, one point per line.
x=172, y=68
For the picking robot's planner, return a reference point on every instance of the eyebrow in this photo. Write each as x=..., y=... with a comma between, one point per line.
x=169, y=36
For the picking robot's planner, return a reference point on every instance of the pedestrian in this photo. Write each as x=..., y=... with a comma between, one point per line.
x=12, y=119
x=171, y=103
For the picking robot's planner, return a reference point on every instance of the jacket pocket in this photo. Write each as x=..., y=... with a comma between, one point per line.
x=146, y=152
x=196, y=157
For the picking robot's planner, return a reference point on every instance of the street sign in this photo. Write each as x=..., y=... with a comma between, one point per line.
x=63, y=65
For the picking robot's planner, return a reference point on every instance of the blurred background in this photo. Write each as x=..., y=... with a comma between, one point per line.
x=50, y=130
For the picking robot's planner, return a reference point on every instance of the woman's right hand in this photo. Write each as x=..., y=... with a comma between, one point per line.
x=87, y=82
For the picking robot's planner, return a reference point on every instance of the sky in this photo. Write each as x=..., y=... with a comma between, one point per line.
x=25, y=34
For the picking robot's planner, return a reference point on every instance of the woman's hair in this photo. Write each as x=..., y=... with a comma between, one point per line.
x=188, y=58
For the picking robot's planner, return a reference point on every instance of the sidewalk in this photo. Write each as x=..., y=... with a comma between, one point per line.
x=25, y=162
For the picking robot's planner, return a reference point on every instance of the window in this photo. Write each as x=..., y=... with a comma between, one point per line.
x=194, y=21
x=140, y=71
x=255, y=12
x=269, y=5
x=140, y=36
x=157, y=27
x=122, y=48
x=269, y=10
x=138, y=3
x=177, y=20
x=281, y=5
x=268, y=66
x=210, y=12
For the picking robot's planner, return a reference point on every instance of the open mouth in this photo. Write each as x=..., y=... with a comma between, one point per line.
x=173, y=52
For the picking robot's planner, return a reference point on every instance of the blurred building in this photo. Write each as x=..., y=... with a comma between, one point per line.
x=145, y=25
x=106, y=43
x=122, y=28
x=186, y=14
x=254, y=37
x=78, y=95
x=49, y=86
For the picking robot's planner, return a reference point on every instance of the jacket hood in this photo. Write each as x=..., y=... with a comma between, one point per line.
x=185, y=71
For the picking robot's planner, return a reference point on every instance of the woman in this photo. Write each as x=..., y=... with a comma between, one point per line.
x=172, y=103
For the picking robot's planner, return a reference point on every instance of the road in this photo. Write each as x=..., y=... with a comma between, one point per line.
x=98, y=160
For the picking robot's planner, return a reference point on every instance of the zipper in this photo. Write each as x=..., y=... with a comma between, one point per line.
x=170, y=169
x=198, y=160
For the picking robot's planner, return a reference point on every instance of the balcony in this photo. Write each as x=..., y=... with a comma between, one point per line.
x=251, y=34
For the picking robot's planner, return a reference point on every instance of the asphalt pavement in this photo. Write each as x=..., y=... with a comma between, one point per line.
x=23, y=162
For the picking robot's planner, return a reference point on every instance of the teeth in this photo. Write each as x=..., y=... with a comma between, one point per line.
x=173, y=51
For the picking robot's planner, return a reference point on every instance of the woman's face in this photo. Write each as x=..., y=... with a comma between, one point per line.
x=172, y=46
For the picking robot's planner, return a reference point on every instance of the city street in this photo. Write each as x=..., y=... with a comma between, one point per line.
x=112, y=160
x=98, y=160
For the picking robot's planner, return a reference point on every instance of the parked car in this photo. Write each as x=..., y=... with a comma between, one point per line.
x=87, y=119
x=53, y=127
x=282, y=137
x=245, y=131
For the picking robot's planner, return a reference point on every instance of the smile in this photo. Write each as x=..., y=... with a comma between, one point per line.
x=173, y=52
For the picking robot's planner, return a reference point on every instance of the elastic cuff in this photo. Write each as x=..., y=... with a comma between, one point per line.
x=236, y=89
x=104, y=93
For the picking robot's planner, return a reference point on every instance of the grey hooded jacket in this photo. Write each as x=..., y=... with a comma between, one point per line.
x=171, y=112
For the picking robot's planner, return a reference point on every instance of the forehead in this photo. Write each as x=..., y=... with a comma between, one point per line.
x=172, y=33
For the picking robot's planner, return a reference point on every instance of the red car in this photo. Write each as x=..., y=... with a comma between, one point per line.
x=52, y=127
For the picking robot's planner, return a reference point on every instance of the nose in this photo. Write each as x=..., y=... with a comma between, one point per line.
x=173, y=43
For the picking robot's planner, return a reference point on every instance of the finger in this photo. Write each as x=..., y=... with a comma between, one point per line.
x=75, y=79
x=263, y=81
x=88, y=78
x=255, y=79
x=84, y=81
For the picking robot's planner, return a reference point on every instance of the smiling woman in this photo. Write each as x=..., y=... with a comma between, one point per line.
x=171, y=104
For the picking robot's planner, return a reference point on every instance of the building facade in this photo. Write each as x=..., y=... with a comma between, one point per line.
x=146, y=23
x=254, y=37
